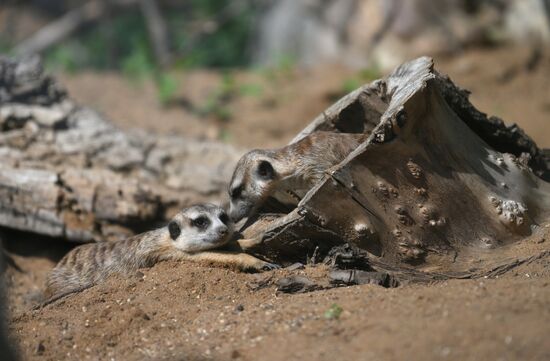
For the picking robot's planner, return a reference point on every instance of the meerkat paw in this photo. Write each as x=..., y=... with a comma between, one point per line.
x=241, y=261
x=260, y=266
x=247, y=243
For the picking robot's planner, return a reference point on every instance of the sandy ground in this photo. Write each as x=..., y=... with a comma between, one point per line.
x=181, y=311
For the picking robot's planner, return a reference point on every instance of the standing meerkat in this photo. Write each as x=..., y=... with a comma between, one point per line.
x=190, y=235
x=287, y=173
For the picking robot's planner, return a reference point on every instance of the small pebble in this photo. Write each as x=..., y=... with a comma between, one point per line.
x=40, y=348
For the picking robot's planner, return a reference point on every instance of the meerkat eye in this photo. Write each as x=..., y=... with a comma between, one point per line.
x=174, y=230
x=235, y=192
x=265, y=170
x=201, y=222
x=224, y=218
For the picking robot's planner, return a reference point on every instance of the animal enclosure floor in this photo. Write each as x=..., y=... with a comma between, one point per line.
x=181, y=311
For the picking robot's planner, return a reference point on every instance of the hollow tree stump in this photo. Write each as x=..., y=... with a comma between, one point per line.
x=437, y=186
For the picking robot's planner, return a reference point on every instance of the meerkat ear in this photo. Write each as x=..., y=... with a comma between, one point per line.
x=174, y=230
x=265, y=170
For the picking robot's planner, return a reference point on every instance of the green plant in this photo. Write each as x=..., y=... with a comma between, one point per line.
x=254, y=90
x=217, y=102
x=167, y=86
x=225, y=136
x=61, y=58
x=333, y=312
x=283, y=68
x=371, y=73
x=349, y=85
x=121, y=42
x=5, y=45
x=361, y=77
x=137, y=64
x=221, y=47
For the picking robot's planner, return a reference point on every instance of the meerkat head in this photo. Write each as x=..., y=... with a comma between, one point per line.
x=253, y=181
x=199, y=228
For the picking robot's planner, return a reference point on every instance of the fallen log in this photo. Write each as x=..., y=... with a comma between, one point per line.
x=68, y=172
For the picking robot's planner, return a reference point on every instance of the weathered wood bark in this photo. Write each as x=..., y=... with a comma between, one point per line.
x=435, y=186
x=67, y=172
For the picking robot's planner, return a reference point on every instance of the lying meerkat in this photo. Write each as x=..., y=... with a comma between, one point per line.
x=287, y=173
x=190, y=235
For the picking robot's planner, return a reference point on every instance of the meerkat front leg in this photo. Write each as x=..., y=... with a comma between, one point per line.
x=247, y=243
x=241, y=261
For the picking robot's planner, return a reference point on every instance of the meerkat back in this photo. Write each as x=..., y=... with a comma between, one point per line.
x=80, y=268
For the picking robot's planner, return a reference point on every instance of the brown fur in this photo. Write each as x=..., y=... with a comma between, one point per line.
x=90, y=264
x=297, y=168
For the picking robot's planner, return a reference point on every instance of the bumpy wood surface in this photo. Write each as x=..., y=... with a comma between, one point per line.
x=437, y=186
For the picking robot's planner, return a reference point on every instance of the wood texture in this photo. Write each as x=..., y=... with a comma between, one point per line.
x=436, y=187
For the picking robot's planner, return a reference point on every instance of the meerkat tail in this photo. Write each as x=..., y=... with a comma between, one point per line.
x=240, y=261
x=59, y=296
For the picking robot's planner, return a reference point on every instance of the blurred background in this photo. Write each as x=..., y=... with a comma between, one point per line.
x=255, y=72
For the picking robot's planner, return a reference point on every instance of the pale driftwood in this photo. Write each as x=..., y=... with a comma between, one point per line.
x=437, y=186
x=67, y=172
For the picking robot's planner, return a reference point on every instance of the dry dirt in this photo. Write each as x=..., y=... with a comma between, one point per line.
x=181, y=311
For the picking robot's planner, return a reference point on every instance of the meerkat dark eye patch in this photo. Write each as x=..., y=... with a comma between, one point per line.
x=265, y=170
x=174, y=230
x=224, y=218
x=201, y=222
x=236, y=192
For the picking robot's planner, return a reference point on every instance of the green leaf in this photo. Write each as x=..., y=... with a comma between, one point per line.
x=334, y=312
